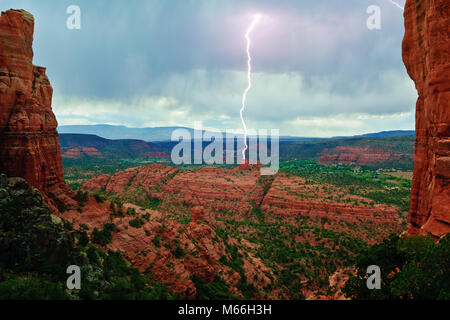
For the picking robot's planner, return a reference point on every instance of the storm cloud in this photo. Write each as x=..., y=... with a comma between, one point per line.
x=319, y=71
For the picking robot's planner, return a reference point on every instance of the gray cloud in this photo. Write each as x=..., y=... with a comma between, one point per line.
x=171, y=62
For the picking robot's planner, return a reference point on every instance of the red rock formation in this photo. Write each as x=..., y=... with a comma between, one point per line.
x=150, y=177
x=426, y=54
x=235, y=190
x=77, y=153
x=212, y=188
x=360, y=156
x=151, y=247
x=291, y=197
x=156, y=155
x=198, y=214
x=29, y=145
x=194, y=205
x=213, y=191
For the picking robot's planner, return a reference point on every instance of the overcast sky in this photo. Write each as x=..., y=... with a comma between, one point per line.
x=318, y=69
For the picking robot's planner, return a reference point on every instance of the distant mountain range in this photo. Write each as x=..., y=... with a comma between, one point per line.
x=385, y=149
x=382, y=134
x=122, y=132
x=76, y=146
x=164, y=133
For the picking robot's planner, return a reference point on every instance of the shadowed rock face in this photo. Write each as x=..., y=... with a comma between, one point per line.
x=29, y=145
x=30, y=237
x=426, y=54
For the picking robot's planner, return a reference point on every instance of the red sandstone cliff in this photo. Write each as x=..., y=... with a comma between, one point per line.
x=426, y=54
x=29, y=145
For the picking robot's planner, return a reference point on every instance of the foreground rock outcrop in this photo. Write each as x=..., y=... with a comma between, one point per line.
x=29, y=145
x=426, y=54
x=30, y=236
x=36, y=247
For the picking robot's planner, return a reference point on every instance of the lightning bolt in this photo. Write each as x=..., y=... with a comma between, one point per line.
x=396, y=4
x=256, y=18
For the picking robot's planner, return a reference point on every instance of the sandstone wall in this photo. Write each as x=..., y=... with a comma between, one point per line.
x=426, y=54
x=29, y=145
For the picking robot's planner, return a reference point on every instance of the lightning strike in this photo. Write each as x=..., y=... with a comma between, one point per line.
x=396, y=4
x=256, y=19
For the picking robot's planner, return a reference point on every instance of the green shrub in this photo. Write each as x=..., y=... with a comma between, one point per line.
x=218, y=289
x=178, y=252
x=411, y=268
x=83, y=239
x=31, y=289
x=105, y=236
x=99, y=198
x=131, y=211
x=136, y=223
x=156, y=241
x=81, y=197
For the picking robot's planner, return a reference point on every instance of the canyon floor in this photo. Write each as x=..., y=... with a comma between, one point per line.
x=211, y=232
